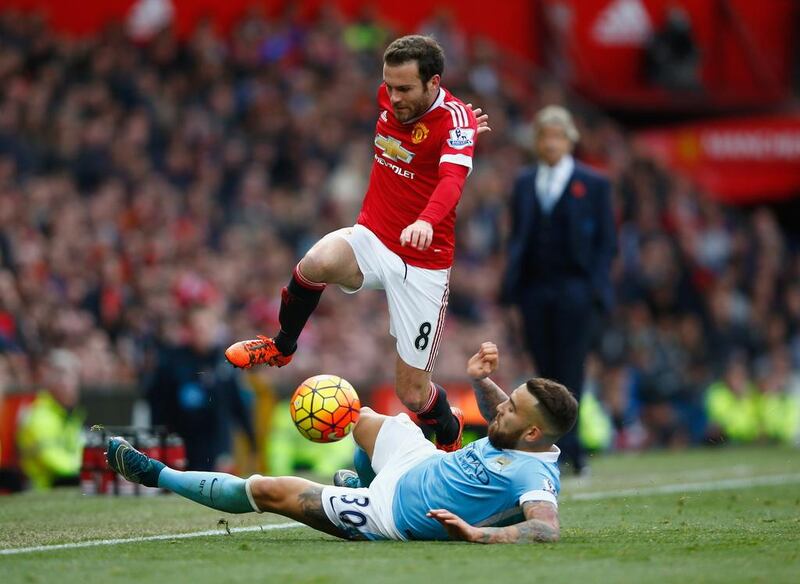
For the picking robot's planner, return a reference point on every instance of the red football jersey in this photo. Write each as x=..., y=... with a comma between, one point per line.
x=405, y=172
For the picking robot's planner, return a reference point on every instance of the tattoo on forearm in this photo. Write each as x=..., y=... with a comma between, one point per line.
x=488, y=395
x=526, y=532
x=541, y=526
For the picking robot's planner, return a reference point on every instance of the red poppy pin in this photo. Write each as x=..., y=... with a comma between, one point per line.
x=578, y=189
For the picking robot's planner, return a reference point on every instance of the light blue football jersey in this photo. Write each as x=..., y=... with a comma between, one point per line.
x=481, y=484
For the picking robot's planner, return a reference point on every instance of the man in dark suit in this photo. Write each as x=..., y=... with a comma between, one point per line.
x=559, y=255
x=196, y=394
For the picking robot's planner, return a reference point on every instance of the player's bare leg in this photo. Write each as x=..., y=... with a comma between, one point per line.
x=429, y=402
x=365, y=433
x=292, y=497
x=413, y=386
x=330, y=261
x=295, y=498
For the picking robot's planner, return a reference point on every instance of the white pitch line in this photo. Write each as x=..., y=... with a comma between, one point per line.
x=593, y=496
x=720, y=485
x=99, y=542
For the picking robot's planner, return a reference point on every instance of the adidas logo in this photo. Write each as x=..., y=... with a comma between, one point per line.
x=623, y=22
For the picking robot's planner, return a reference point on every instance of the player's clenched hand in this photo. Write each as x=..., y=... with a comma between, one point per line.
x=456, y=527
x=484, y=362
x=418, y=235
x=483, y=120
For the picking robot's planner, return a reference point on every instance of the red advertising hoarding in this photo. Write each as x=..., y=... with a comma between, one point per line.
x=742, y=161
x=744, y=50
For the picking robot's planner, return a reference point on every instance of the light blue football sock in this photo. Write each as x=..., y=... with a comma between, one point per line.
x=363, y=466
x=217, y=490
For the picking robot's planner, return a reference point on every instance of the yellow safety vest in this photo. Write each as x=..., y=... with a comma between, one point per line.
x=50, y=441
x=780, y=416
x=594, y=424
x=738, y=416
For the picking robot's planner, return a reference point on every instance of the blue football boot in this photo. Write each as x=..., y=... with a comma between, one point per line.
x=346, y=478
x=135, y=466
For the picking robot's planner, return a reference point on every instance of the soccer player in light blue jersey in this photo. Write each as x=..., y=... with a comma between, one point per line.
x=499, y=489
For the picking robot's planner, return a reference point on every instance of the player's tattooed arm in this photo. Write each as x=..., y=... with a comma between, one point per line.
x=540, y=526
x=487, y=393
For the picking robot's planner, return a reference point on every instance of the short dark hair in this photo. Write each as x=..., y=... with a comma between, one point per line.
x=423, y=49
x=557, y=405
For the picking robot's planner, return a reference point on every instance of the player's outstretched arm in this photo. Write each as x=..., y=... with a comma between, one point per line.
x=488, y=394
x=540, y=526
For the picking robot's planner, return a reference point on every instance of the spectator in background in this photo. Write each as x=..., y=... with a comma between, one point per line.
x=6, y=479
x=365, y=35
x=672, y=57
x=147, y=18
x=618, y=387
x=732, y=403
x=780, y=398
x=443, y=26
x=659, y=360
x=49, y=436
x=195, y=393
x=559, y=257
x=791, y=304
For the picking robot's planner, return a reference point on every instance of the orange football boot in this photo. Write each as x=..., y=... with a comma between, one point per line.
x=245, y=354
x=456, y=444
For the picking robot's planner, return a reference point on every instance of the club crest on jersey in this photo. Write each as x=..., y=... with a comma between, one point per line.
x=500, y=463
x=393, y=149
x=419, y=132
x=460, y=138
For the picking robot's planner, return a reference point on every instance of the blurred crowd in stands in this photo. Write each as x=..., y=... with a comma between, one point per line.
x=139, y=180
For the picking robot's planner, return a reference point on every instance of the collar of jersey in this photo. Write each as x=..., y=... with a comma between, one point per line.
x=549, y=456
x=436, y=103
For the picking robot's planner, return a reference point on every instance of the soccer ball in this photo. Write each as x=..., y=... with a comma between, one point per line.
x=325, y=408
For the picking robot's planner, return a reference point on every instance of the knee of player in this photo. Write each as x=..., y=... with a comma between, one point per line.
x=316, y=265
x=366, y=418
x=365, y=413
x=267, y=492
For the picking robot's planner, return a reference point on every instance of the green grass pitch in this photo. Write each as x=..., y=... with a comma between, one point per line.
x=720, y=515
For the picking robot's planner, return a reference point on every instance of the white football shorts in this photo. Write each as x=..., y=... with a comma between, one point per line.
x=417, y=297
x=366, y=513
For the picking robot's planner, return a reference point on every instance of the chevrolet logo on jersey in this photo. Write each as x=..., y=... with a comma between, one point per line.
x=393, y=149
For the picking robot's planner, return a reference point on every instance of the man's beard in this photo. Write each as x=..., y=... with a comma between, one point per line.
x=415, y=110
x=500, y=439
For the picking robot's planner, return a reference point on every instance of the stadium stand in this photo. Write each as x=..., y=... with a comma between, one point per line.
x=138, y=180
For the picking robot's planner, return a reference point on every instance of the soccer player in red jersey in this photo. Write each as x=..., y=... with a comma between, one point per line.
x=404, y=239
